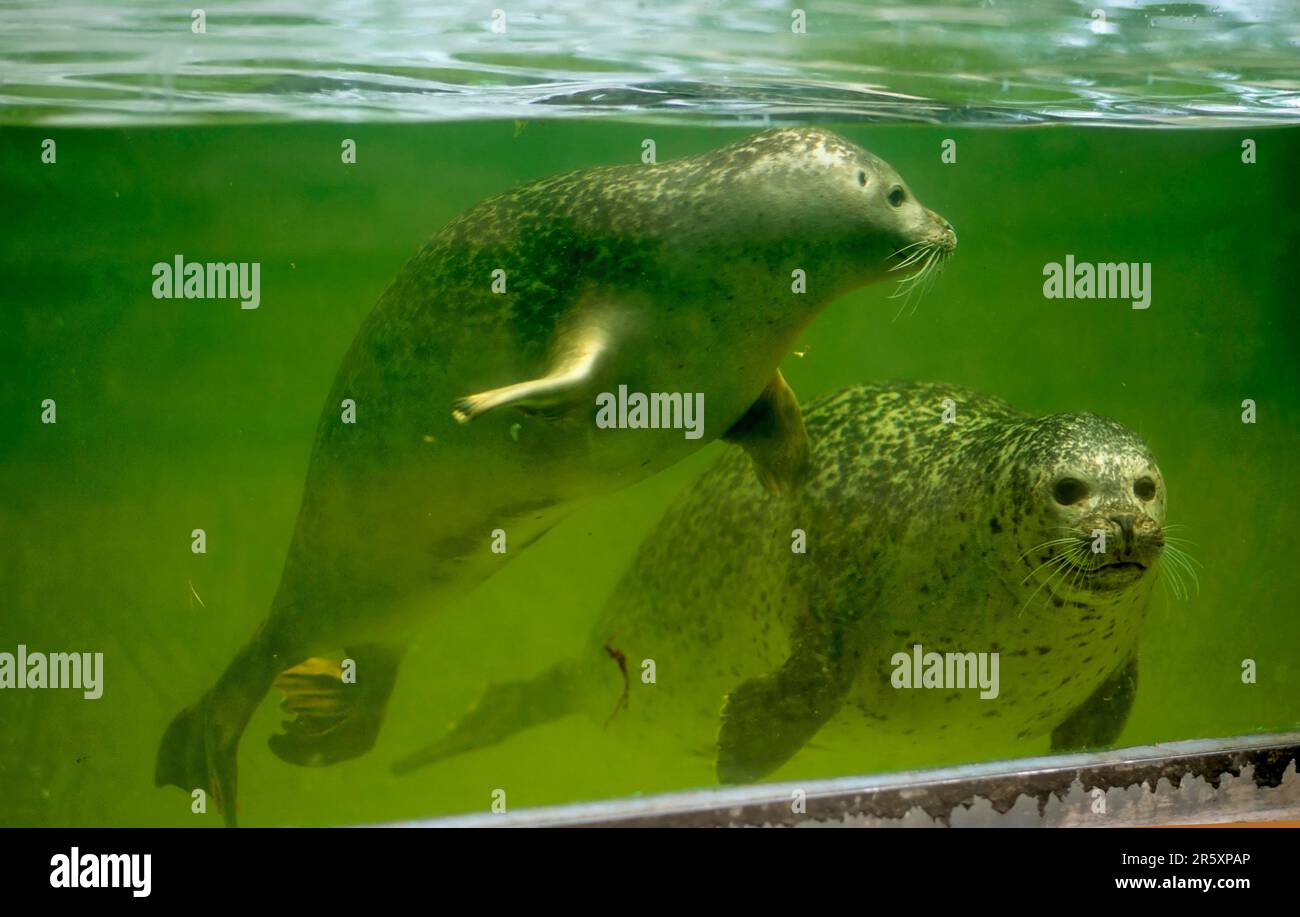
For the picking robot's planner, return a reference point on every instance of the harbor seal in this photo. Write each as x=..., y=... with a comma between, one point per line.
x=475, y=382
x=975, y=536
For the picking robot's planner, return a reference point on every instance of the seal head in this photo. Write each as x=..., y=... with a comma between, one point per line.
x=1093, y=521
x=847, y=212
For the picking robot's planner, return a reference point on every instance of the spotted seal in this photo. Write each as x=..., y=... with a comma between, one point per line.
x=475, y=382
x=1033, y=538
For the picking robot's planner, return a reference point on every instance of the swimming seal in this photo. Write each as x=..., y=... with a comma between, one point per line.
x=975, y=536
x=475, y=381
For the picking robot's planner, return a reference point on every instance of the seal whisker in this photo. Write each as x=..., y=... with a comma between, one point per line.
x=1078, y=573
x=909, y=247
x=925, y=256
x=1173, y=581
x=1163, y=579
x=914, y=286
x=910, y=251
x=1181, y=562
x=923, y=284
x=932, y=277
x=1051, y=562
x=912, y=278
x=1182, y=555
x=1063, y=563
x=918, y=256
x=912, y=283
x=911, y=259
x=1067, y=563
x=1047, y=544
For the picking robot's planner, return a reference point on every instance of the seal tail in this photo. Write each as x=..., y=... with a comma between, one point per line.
x=505, y=709
x=201, y=746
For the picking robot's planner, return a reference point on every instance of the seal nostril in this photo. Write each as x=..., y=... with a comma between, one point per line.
x=1125, y=524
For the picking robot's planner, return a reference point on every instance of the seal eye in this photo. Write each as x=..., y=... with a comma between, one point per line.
x=1069, y=491
x=897, y=195
x=862, y=179
x=1144, y=488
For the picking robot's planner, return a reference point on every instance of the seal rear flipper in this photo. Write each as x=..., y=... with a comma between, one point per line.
x=560, y=390
x=1099, y=720
x=191, y=758
x=335, y=717
x=768, y=719
x=200, y=748
x=772, y=432
x=504, y=710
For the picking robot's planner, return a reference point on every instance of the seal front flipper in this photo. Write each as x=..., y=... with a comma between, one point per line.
x=768, y=719
x=1100, y=719
x=572, y=370
x=335, y=718
x=773, y=434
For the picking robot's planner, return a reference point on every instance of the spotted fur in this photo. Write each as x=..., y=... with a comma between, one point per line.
x=917, y=531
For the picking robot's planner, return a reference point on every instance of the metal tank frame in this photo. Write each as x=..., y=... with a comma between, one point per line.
x=1202, y=781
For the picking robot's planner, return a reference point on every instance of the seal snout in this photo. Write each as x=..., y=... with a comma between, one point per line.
x=1133, y=540
x=945, y=236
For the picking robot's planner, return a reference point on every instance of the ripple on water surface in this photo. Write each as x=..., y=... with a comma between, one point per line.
x=976, y=62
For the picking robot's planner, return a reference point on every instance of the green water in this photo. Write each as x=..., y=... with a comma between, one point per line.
x=180, y=414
